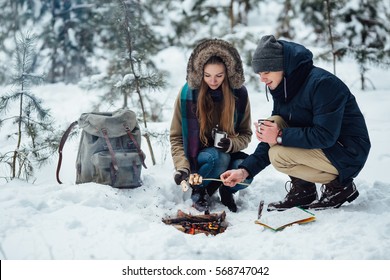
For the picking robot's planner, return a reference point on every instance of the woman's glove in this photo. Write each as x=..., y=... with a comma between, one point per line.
x=225, y=144
x=180, y=175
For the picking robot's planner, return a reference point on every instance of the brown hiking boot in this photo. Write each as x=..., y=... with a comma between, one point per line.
x=334, y=194
x=301, y=193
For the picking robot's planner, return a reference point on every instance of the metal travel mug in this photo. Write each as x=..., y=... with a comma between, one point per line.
x=261, y=121
x=218, y=136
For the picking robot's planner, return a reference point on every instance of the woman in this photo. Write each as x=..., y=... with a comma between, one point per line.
x=213, y=98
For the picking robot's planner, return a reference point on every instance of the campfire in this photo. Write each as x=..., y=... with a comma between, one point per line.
x=207, y=223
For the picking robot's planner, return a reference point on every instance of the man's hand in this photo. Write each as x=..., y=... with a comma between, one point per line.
x=232, y=177
x=267, y=132
x=180, y=175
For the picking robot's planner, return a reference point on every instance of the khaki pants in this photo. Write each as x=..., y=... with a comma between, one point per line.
x=307, y=164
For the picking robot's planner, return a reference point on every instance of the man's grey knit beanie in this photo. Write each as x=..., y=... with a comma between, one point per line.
x=268, y=56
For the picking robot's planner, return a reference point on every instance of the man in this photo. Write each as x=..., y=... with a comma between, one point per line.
x=316, y=134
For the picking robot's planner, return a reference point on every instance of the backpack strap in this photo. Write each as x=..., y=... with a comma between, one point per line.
x=109, y=146
x=61, y=146
x=140, y=152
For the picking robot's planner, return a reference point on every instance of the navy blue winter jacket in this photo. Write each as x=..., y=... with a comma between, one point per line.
x=321, y=113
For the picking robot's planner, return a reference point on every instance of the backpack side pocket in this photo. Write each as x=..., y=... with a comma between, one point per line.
x=128, y=174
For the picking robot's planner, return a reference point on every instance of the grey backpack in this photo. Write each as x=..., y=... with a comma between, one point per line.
x=109, y=152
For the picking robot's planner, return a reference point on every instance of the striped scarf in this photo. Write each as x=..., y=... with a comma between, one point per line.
x=190, y=123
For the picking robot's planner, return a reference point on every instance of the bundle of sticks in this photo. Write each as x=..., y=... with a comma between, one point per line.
x=207, y=223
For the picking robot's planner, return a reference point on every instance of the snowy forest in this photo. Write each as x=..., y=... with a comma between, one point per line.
x=111, y=45
x=61, y=58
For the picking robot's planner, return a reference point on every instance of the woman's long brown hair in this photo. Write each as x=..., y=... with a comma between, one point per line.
x=206, y=106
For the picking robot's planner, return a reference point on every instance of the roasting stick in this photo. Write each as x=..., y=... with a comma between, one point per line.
x=219, y=180
x=186, y=185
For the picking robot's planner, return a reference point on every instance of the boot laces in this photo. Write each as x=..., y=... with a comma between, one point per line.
x=291, y=189
x=327, y=192
x=291, y=186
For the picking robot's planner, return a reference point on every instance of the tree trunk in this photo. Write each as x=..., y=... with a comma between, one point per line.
x=231, y=15
x=328, y=11
x=137, y=80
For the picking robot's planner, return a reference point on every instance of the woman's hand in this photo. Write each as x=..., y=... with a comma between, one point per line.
x=180, y=175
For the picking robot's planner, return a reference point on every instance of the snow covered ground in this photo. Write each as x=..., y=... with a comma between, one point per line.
x=44, y=220
x=47, y=221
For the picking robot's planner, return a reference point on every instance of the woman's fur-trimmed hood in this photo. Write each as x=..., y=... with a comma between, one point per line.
x=215, y=47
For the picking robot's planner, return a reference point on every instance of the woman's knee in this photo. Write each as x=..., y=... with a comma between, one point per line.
x=213, y=158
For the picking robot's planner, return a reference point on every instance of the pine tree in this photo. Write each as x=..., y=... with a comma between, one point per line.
x=285, y=28
x=199, y=19
x=34, y=135
x=132, y=73
x=359, y=28
x=323, y=17
x=16, y=15
x=368, y=34
x=68, y=39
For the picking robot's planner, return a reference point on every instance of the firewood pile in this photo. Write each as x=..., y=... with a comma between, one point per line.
x=208, y=223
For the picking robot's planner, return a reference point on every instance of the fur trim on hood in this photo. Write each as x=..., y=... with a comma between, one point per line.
x=215, y=47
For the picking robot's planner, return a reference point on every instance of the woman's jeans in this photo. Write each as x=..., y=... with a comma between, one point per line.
x=213, y=162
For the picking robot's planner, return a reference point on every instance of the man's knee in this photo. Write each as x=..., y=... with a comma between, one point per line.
x=275, y=155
